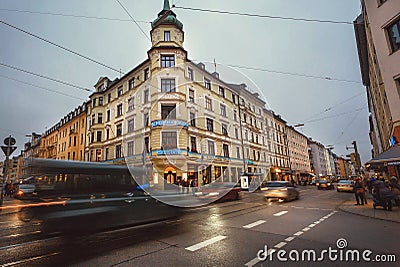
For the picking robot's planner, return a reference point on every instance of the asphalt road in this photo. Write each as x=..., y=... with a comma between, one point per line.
x=222, y=234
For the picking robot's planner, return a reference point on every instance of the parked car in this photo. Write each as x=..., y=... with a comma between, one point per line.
x=345, y=186
x=24, y=191
x=280, y=190
x=324, y=184
x=220, y=191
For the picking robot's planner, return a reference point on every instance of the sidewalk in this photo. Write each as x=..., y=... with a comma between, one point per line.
x=369, y=211
x=8, y=206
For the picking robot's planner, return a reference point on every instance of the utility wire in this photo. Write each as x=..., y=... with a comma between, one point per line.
x=46, y=77
x=41, y=87
x=262, y=16
x=348, y=125
x=332, y=107
x=334, y=116
x=127, y=12
x=295, y=74
x=70, y=15
x=59, y=46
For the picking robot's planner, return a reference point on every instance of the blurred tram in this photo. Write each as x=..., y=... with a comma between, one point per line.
x=89, y=195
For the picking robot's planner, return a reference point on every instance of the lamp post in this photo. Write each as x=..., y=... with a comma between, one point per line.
x=357, y=156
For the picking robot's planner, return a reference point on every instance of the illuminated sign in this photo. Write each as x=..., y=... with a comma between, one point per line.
x=169, y=152
x=169, y=123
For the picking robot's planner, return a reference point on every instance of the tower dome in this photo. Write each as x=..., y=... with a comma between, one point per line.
x=167, y=17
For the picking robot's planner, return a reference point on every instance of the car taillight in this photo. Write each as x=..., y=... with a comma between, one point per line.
x=20, y=193
x=283, y=189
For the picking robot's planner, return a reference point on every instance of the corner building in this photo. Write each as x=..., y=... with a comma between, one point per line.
x=174, y=117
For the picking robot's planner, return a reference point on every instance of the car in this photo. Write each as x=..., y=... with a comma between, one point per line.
x=313, y=181
x=220, y=192
x=345, y=186
x=24, y=191
x=280, y=190
x=324, y=184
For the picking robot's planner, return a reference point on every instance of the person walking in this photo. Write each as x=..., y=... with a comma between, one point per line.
x=359, y=192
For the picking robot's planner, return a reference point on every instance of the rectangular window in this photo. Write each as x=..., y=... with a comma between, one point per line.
x=146, y=144
x=131, y=104
x=190, y=74
x=193, y=144
x=225, y=150
x=191, y=95
x=211, y=148
x=98, y=137
x=192, y=118
x=167, y=61
x=130, y=149
x=119, y=110
x=224, y=129
x=107, y=134
x=146, y=73
x=234, y=99
x=119, y=129
x=118, y=151
x=236, y=133
x=393, y=32
x=146, y=95
x=207, y=83
x=120, y=91
x=208, y=103
x=93, y=119
x=100, y=118
x=235, y=115
x=223, y=110
x=94, y=102
x=146, y=119
x=167, y=36
x=210, y=125
x=398, y=85
x=109, y=98
x=168, y=112
x=131, y=84
x=91, y=140
x=108, y=115
x=222, y=91
x=131, y=123
x=169, y=140
x=167, y=85
x=100, y=100
x=238, y=152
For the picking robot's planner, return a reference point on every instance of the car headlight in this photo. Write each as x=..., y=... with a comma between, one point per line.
x=328, y=184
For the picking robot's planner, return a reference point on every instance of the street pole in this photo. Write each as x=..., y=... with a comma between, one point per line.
x=358, y=161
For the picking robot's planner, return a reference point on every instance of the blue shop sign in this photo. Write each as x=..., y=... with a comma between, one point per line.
x=169, y=152
x=169, y=123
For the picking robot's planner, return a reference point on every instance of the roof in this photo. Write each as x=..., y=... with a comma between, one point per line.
x=167, y=16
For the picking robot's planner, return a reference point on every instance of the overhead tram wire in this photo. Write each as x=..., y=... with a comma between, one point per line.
x=333, y=116
x=59, y=46
x=70, y=15
x=127, y=12
x=262, y=16
x=41, y=87
x=47, y=77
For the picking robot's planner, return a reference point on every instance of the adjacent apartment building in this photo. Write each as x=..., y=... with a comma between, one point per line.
x=377, y=32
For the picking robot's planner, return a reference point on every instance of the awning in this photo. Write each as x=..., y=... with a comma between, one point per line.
x=390, y=157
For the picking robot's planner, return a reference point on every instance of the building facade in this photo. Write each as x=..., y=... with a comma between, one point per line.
x=177, y=119
x=298, y=154
x=378, y=40
x=318, y=158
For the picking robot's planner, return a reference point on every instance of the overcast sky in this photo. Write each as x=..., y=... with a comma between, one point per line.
x=333, y=112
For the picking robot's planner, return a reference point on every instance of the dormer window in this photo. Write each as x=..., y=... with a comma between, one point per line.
x=167, y=36
x=100, y=88
x=146, y=73
x=167, y=61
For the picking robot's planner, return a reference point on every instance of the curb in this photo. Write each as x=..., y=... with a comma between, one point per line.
x=340, y=207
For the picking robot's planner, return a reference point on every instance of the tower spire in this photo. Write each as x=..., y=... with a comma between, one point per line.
x=166, y=5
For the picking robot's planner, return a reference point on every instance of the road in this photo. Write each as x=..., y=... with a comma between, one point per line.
x=221, y=234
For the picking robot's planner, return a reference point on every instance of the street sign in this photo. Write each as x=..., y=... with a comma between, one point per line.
x=10, y=141
x=8, y=149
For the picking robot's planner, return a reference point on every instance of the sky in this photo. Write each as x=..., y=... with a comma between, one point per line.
x=334, y=111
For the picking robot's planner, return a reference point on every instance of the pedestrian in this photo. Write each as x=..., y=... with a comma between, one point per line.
x=192, y=185
x=359, y=192
x=395, y=187
x=369, y=185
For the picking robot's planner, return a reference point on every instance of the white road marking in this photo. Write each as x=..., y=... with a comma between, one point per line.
x=252, y=262
x=305, y=229
x=281, y=244
x=312, y=225
x=205, y=243
x=281, y=213
x=290, y=238
x=251, y=225
x=30, y=259
x=298, y=233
